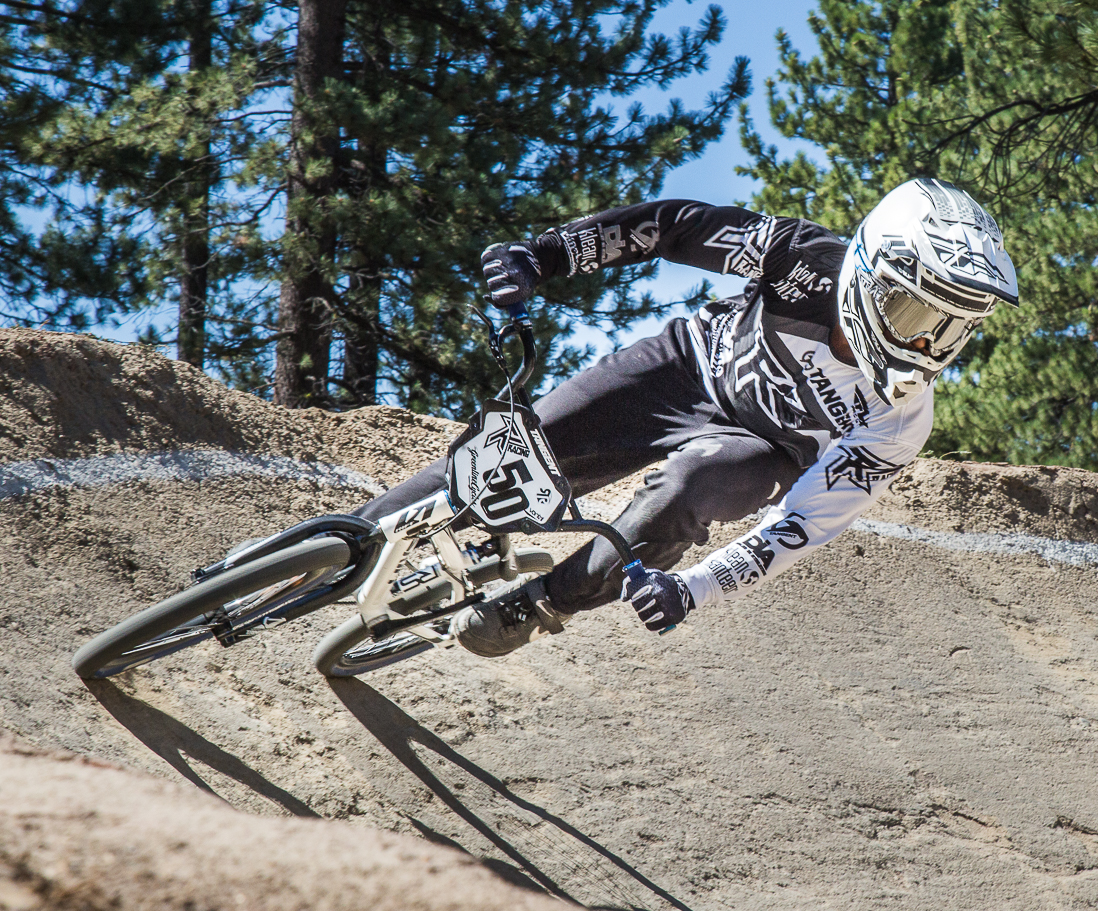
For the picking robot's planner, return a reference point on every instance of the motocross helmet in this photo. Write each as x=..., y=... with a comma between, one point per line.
x=927, y=263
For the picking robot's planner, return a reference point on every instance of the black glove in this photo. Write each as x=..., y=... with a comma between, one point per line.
x=512, y=271
x=660, y=599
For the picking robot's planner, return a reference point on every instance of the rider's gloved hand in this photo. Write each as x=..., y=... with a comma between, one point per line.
x=660, y=599
x=512, y=271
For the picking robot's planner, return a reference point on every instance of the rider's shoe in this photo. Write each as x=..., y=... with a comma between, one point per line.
x=518, y=613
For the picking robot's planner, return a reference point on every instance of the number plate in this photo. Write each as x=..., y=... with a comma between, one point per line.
x=502, y=469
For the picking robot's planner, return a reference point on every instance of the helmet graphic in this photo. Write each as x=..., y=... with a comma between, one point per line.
x=927, y=263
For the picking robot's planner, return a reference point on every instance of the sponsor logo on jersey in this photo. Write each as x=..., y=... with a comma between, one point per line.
x=830, y=400
x=645, y=236
x=860, y=467
x=612, y=243
x=761, y=551
x=761, y=370
x=587, y=253
x=789, y=533
x=746, y=246
x=732, y=569
x=861, y=407
x=801, y=282
x=583, y=249
x=743, y=564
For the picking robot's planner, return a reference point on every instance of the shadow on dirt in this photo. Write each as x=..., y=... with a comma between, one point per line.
x=524, y=832
x=173, y=741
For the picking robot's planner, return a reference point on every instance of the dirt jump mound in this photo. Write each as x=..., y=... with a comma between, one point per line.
x=907, y=719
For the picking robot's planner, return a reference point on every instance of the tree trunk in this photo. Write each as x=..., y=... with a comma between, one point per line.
x=361, y=352
x=195, y=244
x=306, y=297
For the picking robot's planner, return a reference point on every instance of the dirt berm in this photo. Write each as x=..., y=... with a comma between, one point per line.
x=907, y=720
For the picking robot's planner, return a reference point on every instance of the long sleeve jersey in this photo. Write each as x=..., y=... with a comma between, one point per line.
x=768, y=364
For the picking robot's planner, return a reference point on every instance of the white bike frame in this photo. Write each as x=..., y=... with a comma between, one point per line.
x=430, y=518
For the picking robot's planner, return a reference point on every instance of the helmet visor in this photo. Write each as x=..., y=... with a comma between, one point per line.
x=910, y=319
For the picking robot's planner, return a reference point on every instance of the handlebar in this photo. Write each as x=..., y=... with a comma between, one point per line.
x=520, y=322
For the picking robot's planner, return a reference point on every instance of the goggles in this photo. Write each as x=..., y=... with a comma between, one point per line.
x=953, y=297
x=910, y=319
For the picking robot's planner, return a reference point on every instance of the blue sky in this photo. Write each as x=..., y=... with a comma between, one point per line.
x=712, y=178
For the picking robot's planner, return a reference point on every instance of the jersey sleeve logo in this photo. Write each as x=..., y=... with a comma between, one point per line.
x=645, y=237
x=801, y=282
x=746, y=246
x=860, y=467
x=584, y=249
x=788, y=532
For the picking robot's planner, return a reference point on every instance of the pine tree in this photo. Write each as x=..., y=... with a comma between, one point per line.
x=145, y=112
x=435, y=127
x=307, y=294
x=64, y=262
x=1025, y=140
x=465, y=122
x=998, y=98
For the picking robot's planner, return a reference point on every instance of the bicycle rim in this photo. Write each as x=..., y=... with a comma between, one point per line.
x=228, y=606
x=372, y=656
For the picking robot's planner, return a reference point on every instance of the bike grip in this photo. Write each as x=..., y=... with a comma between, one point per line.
x=667, y=629
x=635, y=571
x=518, y=311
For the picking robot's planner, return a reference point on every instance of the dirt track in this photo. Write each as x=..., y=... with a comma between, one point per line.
x=903, y=722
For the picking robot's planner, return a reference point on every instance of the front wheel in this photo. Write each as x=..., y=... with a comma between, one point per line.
x=350, y=650
x=225, y=606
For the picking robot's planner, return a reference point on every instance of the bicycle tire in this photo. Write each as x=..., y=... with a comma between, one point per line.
x=184, y=619
x=337, y=654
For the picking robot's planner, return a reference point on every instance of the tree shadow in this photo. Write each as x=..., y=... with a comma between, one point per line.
x=398, y=732
x=173, y=742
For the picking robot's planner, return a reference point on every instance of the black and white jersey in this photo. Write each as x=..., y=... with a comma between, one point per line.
x=767, y=363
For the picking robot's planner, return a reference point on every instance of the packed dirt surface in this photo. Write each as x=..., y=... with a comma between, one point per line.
x=907, y=719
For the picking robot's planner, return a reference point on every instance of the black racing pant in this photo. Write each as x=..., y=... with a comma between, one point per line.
x=641, y=405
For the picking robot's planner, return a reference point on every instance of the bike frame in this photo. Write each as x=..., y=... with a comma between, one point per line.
x=502, y=477
x=525, y=460
x=429, y=519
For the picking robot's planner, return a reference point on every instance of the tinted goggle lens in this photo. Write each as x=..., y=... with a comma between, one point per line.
x=910, y=319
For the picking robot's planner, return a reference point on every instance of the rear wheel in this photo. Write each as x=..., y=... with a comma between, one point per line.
x=225, y=606
x=350, y=650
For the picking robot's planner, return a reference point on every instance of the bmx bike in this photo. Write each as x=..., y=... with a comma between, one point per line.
x=501, y=477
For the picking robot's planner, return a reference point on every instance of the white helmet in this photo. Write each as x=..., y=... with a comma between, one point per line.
x=927, y=263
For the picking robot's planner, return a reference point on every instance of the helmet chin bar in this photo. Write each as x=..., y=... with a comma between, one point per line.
x=901, y=386
x=894, y=376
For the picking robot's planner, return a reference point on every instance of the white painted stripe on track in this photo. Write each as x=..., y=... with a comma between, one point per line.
x=1077, y=553
x=21, y=478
